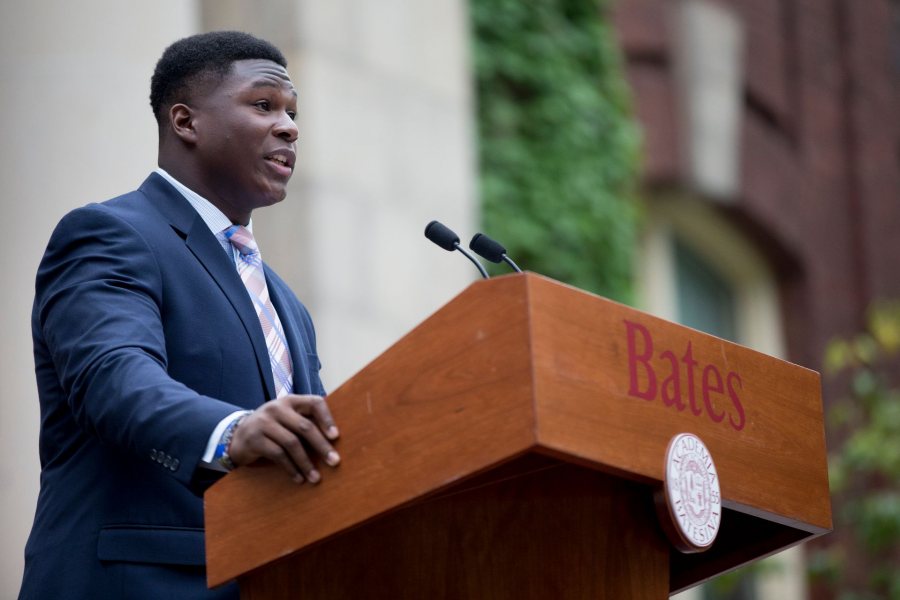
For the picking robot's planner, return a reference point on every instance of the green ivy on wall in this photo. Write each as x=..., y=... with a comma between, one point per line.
x=557, y=144
x=860, y=561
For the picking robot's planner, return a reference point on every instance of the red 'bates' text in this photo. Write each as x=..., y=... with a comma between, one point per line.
x=675, y=380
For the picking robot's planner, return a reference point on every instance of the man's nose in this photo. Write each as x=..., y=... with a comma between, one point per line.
x=287, y=128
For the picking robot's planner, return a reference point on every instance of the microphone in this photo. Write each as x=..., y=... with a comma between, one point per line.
x=491, y=250
x=444, y=237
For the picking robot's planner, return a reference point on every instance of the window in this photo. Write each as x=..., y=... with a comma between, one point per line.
x=705, y=300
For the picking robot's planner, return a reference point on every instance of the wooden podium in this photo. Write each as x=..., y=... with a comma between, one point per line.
x=510, y=447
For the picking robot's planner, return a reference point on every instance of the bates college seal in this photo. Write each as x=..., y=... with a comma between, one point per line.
x=690, y=502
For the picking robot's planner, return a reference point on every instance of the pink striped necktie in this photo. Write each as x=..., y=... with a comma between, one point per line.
x=250, y=268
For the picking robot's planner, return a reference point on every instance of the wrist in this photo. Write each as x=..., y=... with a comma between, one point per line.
x=223, y=449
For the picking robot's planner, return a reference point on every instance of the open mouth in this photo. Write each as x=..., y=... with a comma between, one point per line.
x=278, y=160
x=283, y=163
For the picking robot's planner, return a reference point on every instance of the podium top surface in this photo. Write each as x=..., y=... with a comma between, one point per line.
x=523, y=364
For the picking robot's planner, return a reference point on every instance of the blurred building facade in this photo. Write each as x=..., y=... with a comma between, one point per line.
x=782, y=116
x=772, y=168
x=771, y=174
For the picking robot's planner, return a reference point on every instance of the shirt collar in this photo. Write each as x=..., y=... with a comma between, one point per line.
x=214, y=218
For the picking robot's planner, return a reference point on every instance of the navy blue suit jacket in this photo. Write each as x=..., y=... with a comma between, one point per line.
x=144, y=339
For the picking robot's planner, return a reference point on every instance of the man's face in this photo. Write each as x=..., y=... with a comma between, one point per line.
x=246, y=137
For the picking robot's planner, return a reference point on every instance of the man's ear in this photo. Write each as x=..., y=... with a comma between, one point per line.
x=181, y=118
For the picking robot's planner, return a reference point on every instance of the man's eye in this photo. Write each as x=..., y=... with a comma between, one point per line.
x=263, y=105
x=292, y=115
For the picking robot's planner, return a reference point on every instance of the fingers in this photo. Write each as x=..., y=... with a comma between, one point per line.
x=305, y=429
x=277, y=455
x=316, y=407
x=283, y=430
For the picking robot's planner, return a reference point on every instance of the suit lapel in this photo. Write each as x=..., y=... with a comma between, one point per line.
x=206, y=248
x=203, y=244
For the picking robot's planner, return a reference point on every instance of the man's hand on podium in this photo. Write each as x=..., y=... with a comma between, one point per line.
x=277, y=431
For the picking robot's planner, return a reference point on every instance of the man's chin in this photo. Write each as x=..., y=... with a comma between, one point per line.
x=271, y=196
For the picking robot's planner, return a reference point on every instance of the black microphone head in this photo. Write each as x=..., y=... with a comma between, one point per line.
x=487, y=248
x=441, y=235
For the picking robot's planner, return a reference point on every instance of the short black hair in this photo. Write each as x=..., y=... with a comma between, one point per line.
x=203, y=55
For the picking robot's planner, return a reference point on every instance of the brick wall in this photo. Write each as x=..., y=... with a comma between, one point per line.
x=820, y=148
x=819, y=182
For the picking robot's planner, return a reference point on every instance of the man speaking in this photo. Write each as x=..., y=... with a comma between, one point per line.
x=166, y=351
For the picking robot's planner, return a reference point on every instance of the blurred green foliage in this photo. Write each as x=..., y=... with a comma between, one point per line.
x=864, y=470
x=741, y=583
x=558, y=147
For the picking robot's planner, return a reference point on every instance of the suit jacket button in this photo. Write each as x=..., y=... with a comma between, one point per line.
x=167, y=462
x=153, y=454
x=174, y=465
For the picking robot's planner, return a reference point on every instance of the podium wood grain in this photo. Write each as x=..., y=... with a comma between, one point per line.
x=515, y=369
